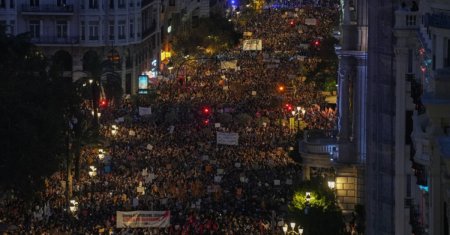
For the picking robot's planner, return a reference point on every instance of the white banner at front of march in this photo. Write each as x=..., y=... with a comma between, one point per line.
x=142, y=219
x=145, y=111
x=227, y=138
x=252, y=45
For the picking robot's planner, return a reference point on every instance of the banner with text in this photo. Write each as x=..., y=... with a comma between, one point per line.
x=252, y=45
x=227, y=138
x=143, y=111
x=143, y=219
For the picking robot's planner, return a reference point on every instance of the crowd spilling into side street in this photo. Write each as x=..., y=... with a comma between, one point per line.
x=170, y=160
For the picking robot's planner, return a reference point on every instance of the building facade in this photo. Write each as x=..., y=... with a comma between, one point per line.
x=124, y=32
x=408, y=117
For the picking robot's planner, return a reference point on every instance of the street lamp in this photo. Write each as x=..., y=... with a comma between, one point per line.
x=73, y=207
x=291, y=229
x=93, y=171
x=331, y=184
x=300, y=111
x=308, y=199
x=101, y=154
x=114, y=129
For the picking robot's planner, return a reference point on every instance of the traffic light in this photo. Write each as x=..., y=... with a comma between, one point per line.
x=292, y=23
x=103, y=103
x=316, y=43
x=206, y=110
x=288, y=107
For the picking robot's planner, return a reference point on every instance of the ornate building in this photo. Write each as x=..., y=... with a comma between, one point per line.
x=124, y=32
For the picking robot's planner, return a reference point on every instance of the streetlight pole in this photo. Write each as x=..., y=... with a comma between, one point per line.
x=291, y=230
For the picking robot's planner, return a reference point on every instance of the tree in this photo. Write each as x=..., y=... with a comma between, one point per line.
x=319, y=216
x=207, y=36
x=36, y=109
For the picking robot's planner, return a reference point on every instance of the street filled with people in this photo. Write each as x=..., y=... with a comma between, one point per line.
x=164, y=154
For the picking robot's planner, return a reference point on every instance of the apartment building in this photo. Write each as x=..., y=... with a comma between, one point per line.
x=124, y=32
x=408, y=139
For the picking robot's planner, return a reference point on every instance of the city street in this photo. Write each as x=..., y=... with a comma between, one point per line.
x=216, y=146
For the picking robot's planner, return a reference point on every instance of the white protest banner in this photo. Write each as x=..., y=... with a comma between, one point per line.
x=232, y=64
x=140, y=190
x=311, y=21
x=276, y=182
x=119, y=120
x=217, y=178
x=227, y=138
x=216, y=125
x=289, y=181
x=132, y=133
x=252, y=45
x=242, y=179
x=220, y=171
x=253, y=93
x=143, y=111
x=149, y=146
x=142, y=219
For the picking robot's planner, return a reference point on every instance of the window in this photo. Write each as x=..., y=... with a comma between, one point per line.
x=34, y=3
x=93, y=30
x=61, y=3
x=111, y=30
x=121, y=4
x=131, y=3
x=131, y=28
x=121, y=29
x=2, y=3
x=12, y=3
x=12, y=24
x=171, y=3
x=61, y=29
x=111, y=4
x=35, y=28
x=83, y=31
x=93, y=4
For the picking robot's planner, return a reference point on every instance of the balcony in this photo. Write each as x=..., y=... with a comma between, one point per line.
x=55, y=40
x=147, y=2
x=407, y=20
x=319, y=147
x=440, y=20
x=47, y=9
x=437, y=90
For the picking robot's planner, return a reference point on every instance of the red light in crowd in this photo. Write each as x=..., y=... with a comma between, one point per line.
x=291, y=23
x=205, y=110
x=206, y=122
x=316, y=43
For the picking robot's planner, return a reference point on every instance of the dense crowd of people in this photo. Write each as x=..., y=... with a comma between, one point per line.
x=172, y=155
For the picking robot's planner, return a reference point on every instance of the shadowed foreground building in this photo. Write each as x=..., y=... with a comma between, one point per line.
x=408, y=117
